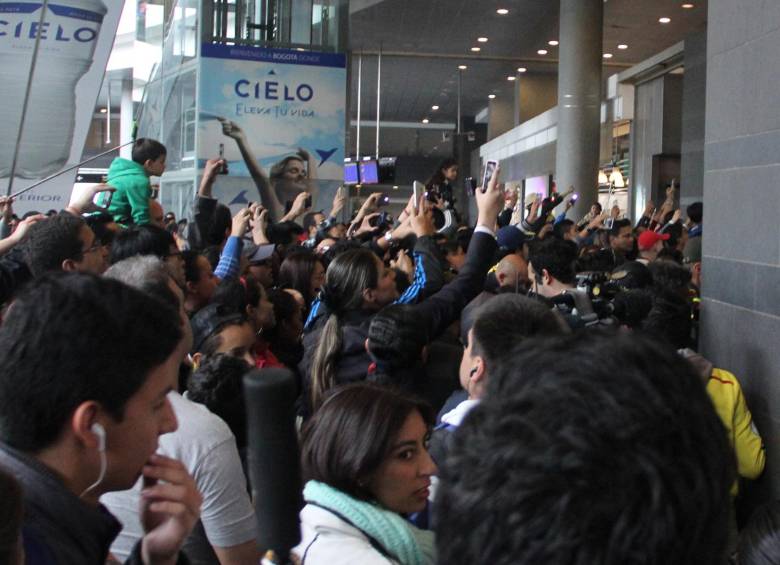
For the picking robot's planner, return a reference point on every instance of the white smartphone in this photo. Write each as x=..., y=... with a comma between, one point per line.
x=490, y=166
x=418, y=189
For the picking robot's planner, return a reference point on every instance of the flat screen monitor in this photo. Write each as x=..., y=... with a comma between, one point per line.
x=369, y=172
x=351, y=173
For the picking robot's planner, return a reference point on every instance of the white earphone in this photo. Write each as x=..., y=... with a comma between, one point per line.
x=100, y=432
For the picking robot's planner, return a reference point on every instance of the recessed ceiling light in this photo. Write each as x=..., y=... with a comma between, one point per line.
x=511, y=77
x=521, y=69
x=491, y=96
x=476, y=49
x=434, y=107
x=552, y=42
x=607, y=55
x=482, y=39
x=542, y=52
x=687, y=6
x=664, y=20
x=425, y=120
x=395, y=187
x=103, y=111
x=462, y=67
x=622, y=46
x=502, y=11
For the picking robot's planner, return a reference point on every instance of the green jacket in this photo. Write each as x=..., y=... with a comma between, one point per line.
x=130, y=203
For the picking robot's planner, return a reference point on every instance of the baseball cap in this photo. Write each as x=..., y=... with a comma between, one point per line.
x=259, y=253
x=211, y=319
x=649, y=238
x=510, y=238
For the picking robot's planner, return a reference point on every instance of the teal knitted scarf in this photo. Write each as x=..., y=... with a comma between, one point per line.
x=409, y=545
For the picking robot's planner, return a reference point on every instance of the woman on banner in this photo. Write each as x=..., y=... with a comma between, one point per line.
x=289, y=177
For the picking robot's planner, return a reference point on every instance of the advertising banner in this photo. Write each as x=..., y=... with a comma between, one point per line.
x=76, y=37
x=277, y=118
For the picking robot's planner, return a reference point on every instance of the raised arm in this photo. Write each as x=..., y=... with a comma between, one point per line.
x=444, y=307
x=262, y=182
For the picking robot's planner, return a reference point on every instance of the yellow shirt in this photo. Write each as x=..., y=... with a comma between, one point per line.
x=726, y=395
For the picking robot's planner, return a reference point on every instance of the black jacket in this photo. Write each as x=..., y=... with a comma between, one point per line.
x=58, y=526
x=436, y=313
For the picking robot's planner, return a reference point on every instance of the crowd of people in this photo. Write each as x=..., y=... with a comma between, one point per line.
x=522, y=389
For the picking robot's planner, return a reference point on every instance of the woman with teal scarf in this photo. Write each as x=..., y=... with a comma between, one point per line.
x=365, y=459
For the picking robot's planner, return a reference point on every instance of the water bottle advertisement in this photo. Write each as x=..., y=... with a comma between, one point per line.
x=278, y=117
x=75, y=41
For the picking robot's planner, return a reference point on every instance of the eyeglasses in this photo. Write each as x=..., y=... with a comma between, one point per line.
x=96, y=245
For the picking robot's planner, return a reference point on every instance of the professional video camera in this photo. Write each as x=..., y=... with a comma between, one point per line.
x=601, y=289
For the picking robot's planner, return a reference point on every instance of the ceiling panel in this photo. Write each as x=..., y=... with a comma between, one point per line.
x=424, y=41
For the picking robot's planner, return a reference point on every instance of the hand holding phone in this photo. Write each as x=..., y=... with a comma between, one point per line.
x=223, y=168
x=418, y=190
x=490, y=168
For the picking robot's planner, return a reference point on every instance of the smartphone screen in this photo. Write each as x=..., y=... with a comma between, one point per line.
x=223, y=167
x=490, y=167
x=418, y=190
x=103, y=199
x=471, y=185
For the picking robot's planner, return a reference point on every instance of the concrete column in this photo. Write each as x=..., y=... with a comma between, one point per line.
x=126, y=118
x=579, y=99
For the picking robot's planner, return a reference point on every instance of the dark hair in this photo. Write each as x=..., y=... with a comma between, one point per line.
x=675, y=232
x=347, y=277
x=670, y=276
x=54, y=240
x=309, y=219
x=352, y=433
x=218, y=384
x=214, y=341
x=10, y=517
x=296, y=272
x=223, y=220
x=759, y=540
x=145, y=149
x=98, y=223
x=560, y=229
x=618, y=225
x=285, y=307
x=631, y=307
x=438, y=176
x=695, y=212
x=147, y=239
x=595, y=260
x=589, y=448
x=508, y=319
x=598, y=205
x=669, y=255
x=191, y=271
x=669, y=320
x=556, y=256
x=108, y=337
x=212, y=254
x=238, y=294
x=396, y=339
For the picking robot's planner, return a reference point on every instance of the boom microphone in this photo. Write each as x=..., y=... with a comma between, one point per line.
x=273, y=459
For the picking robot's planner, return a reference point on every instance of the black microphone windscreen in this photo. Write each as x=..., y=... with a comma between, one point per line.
x=273, y=458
